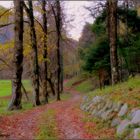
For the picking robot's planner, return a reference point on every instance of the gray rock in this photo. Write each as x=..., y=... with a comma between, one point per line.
x=136, y=133
x=83, y=107
x=91, y=109
x=123, y=127
x=115, y=122
x=101, y=112
x=123, y=110
x=132, y=113
x=85, y=99
x=114, y=106
x=96, y=113
x=97, y=99
x=109, y=104
x=118, y=106
x=106, y=115
x=88, y=107
x=100, y=106
x=136, y=118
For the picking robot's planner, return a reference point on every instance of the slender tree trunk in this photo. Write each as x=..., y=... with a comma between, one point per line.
x=18, y=57
x=58, y=28
x=45, y=52
x=62, y=72
x=57, y=16
x=52, y=86
x=25, y=92
x=35, y=78
x=112, y=31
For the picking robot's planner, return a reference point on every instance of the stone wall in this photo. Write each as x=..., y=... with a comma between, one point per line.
x=117, y=114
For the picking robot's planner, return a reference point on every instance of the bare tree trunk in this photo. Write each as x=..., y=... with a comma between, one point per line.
x=57, y=16
x=35, y=77
x=62, y=72
x=58, y=28
x=52, y=86
x=18, y=57
x=112, y=30
x=45, y=52
x=25, y=92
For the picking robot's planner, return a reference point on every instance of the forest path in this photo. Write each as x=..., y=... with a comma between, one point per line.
x=68, y=117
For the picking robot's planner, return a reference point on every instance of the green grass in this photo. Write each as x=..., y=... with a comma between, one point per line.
x=128, y=92
x=72, y=81
x=4, y=105
x=81, y=84
x=5, y=90
x=6, y=87
x=85, y=86
x=25, y=104
x=47, y=126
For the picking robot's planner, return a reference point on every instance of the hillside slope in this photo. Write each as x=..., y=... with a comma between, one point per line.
x=115, y=106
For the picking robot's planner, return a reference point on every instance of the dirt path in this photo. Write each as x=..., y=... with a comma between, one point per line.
x=68, y=117
x=22, y=125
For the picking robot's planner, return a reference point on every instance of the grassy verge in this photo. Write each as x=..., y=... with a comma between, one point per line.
x=47, y=127
x=80, y=84
x=128, y=92
x=26, y=104
x=4, y=105
x=72, y=81
x=85, y=86
x=98, y=128
x=5, y=90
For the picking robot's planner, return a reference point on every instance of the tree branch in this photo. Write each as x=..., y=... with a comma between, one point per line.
x=5, y=12
x=5, y=63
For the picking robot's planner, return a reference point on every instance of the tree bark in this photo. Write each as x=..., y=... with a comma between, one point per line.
x=58, y=28
x=52, y=86
x=25, y=92
x=57, y=16
x=35, y=77
x=18, y=57
x=112, y=32
x=62, y=72
x=45, y=52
